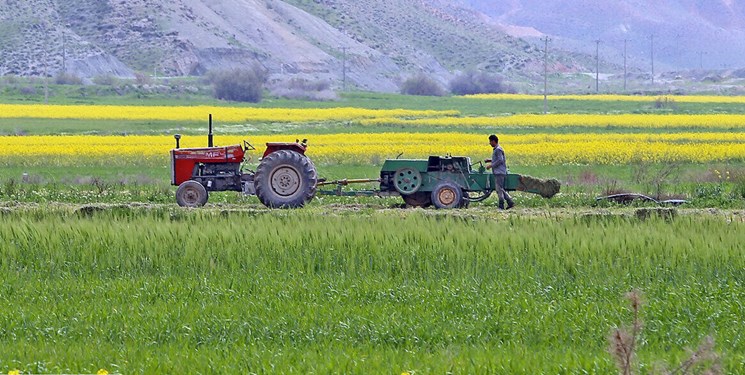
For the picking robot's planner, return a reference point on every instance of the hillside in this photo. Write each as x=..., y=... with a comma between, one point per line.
x=688, y=34
x=373, y=44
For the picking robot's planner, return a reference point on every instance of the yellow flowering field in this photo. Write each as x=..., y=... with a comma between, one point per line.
x=529, y=149
x=199, y=113
x=370, y=117
x=618, y=98
x=648, y=121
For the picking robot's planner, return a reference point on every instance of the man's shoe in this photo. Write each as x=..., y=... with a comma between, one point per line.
x=501, y=205
x=510, y=205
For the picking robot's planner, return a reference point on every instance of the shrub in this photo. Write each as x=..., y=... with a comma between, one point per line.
x=105, y=80
x=11, y=79
x=471, y=82
x=27, y=90
x=422, y=85
x=297, y=94
x=307, y=85
x=665, y=102
x=656, y=180
x=142, y=79
x=241, y=85
x=625, y=341
x=738, y=190
x=64, y=78
x=303, y=89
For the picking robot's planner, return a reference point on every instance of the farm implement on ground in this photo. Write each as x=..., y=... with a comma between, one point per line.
x=443, y=182
x=286, y=177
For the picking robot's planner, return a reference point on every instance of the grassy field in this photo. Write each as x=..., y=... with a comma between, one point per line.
x=370, y=291
x=103, y=270
x=98, y=95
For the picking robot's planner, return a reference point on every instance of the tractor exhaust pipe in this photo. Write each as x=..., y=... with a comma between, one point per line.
x=178, y=138
x=209, y=136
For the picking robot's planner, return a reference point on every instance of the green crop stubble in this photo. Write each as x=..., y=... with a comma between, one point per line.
x=317, y=290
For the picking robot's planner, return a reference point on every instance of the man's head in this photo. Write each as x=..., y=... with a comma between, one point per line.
x=493, y=140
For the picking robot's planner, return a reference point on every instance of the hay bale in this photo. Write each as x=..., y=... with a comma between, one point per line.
x=545, y=188
x=603, y=217
x=666, y=213
x=89, y=210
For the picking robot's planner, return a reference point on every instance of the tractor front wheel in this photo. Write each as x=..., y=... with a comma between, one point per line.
x=285, y=179
x=191, y=194
x=447, y=195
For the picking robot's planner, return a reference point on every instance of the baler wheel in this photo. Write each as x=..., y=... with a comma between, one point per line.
x=407, y=180
x=285, y=179
x=418, y=199
x=191, y=194
x=466, y=200
x=447, y=195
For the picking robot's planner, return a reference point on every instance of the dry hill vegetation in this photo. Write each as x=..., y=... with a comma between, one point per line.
x=375, y=45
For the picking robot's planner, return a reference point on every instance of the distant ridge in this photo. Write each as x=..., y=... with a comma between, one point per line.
x=379, y=43
x=688, y=34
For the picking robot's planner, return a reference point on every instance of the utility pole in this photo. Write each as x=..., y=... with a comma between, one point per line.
x=64, y=53
x=344, y=68
x=46, y=63
x=46, y=75
x=701, y=60
x=678, y=37
x=545, y=75
x=625, y=41
x=597, y=66
x=652, y=56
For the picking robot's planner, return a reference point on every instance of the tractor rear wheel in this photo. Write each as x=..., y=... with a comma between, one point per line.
x=447, y=194
x=191, y=194
x=418, y=199
x=285, y=179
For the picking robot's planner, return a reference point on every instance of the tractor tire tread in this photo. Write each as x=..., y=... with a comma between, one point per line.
x=191, y=194
x=457, y=195
x=305, y=170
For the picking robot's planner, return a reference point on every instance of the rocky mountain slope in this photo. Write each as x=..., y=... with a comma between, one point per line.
x=370, y=45
x=687, y=34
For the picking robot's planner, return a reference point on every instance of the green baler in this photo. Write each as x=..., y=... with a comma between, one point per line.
x=450, y=182
x=443, y=181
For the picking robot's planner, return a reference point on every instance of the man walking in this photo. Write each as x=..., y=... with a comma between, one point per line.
x=498, y=166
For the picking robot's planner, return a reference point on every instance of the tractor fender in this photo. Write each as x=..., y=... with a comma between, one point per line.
x=292, y=146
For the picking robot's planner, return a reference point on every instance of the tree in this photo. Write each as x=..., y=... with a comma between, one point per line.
x=422, y=85
x=239, y=84
x=473, y=82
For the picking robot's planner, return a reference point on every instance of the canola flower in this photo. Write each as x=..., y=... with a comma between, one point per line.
x=617, y=98
x=198, y=113
x=643, y=121
x=359, y=148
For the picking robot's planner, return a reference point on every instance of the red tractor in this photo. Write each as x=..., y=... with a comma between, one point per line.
x=285, y=177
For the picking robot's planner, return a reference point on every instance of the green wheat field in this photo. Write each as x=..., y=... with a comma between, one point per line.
x=325, y=290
